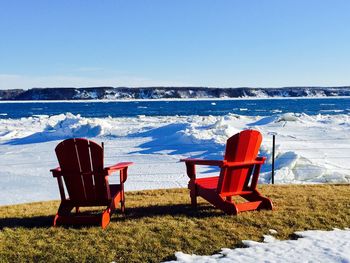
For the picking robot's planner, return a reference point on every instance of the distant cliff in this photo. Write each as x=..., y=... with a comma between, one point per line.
x=110, y=93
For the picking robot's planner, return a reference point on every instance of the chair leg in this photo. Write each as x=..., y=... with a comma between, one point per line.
x=193, y=194
x=228, y=207
x=194, y=201
x=106, y=215
x=122, y=202
x=106, y=218
x=266, y=203
x=55, y=220
x=63, y=210
x=122, y=206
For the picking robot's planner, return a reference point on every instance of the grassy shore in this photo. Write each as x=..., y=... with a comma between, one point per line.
x=159, y=223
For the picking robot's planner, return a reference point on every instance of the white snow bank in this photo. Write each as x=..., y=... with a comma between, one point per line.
x=69, y=125
x=312, y=246
x=288, y=117
x=309, y=149
x=42, y=128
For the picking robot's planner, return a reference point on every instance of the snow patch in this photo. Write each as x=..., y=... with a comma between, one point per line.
x=312, y=246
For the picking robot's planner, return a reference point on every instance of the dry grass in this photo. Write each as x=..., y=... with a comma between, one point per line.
x=159, y=223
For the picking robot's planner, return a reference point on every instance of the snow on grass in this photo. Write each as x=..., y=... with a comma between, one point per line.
x=309, y=149
x=312, y=246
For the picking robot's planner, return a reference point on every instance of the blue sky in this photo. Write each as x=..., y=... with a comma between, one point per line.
x=228, y=43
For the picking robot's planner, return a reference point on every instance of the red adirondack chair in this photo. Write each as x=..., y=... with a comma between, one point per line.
x=86, y=181
x=238, y=176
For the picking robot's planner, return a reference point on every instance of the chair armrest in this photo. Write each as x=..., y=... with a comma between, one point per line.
x=190, y=165
x=191, y=171
x=117, y=167
x=258, y=160
x=203, y=162
x=122, y=167
x=56, y=172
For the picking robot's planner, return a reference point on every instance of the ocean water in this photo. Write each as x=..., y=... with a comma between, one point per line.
x=258, y=107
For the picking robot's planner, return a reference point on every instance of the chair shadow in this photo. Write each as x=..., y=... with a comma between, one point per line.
x=26, y=222
x=202, y=211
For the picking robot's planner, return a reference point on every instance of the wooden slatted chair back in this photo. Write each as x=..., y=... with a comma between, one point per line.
x=81, y=162
x=241, y=147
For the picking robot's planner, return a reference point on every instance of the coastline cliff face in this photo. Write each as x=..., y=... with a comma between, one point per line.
x=111, y=93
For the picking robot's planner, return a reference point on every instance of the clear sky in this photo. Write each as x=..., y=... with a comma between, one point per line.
x=227, y=43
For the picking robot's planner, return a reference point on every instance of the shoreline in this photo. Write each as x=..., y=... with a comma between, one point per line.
x=170, y=99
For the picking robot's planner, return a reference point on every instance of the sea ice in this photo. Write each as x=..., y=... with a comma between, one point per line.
x=309, y=149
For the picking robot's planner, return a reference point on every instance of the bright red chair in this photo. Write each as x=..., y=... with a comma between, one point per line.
x=86, y=181
x=238, y=176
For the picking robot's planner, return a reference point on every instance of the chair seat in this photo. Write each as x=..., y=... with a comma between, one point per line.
x=211, y=183
x=208, y=182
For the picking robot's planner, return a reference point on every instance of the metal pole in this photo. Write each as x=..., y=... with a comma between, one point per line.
x=273, y=160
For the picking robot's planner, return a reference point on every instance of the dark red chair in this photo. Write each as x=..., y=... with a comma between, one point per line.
x=238, y=176
x=86, y=180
